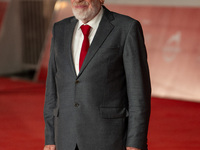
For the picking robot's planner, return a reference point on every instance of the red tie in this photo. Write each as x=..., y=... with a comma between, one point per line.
x=86, y=31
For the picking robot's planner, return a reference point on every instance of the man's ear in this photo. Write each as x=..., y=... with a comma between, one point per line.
x=102, y=2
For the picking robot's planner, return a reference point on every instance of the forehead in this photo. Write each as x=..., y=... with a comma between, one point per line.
x=86, y=0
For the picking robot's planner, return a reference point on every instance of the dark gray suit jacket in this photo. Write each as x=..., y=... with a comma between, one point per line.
x=107, y=106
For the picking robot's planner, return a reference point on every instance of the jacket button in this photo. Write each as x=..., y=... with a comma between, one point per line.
x=77, y=81
x=76, y=104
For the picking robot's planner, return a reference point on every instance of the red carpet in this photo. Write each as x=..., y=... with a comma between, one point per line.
x=174, y=125
x=22, y=125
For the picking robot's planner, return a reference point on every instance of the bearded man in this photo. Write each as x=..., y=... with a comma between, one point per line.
x=98, y=86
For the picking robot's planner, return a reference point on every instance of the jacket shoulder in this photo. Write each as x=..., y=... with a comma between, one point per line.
x=124, y=20
x=64, y=21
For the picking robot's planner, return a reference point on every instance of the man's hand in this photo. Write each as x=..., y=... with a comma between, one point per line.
x=49, y=147
x=132, y=148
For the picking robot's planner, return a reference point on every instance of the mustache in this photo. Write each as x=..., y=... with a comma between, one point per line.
x=80, y=3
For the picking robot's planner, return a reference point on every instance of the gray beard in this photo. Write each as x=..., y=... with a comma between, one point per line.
x=85, y=15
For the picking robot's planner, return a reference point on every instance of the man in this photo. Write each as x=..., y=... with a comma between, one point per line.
x=98, y=87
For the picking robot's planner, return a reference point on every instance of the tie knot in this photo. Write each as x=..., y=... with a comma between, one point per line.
x=85, y=29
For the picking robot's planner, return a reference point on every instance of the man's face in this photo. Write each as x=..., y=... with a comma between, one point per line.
x=86, y=10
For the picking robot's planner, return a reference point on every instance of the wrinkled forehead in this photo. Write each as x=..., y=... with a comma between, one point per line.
x=101, y=1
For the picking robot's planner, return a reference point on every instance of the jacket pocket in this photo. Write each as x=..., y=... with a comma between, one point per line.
x=56, y=112
x=113, y=112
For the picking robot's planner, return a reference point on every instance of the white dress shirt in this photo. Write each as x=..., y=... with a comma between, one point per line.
x=78, y=37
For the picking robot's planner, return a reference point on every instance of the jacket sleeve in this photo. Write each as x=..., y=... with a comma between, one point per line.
x=138, y=87
x=50, y=96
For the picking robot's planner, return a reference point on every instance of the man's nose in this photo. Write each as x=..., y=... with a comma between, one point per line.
x=78, y=1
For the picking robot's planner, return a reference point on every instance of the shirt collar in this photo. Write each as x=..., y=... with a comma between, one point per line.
x=94, y=22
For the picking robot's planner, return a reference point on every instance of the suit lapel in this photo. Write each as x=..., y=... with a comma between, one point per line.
x=69, y=30
x=104, y=29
